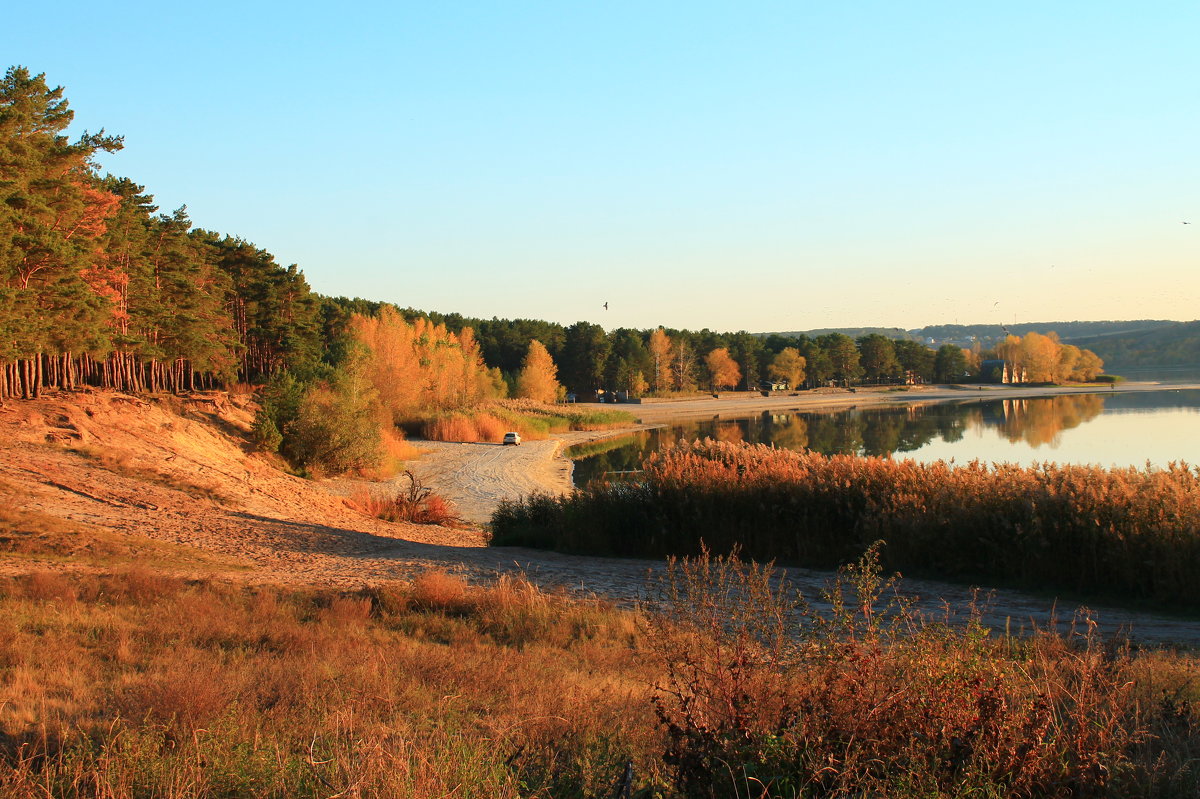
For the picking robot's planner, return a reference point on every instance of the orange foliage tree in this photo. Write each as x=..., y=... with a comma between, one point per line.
x=538, y=379
x=1045, y=359
x=420, y=366
x=723, y=370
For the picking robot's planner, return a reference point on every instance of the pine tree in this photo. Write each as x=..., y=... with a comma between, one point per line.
x=52, y=210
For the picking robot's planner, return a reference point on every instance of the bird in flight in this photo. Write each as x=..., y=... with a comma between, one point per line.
x=606, y=306
x=1185, y=223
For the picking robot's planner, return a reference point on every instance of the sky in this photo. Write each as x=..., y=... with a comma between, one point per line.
x=736, y=166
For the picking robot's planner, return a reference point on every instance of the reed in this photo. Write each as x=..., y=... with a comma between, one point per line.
x=1133, y=533
x=873, y=699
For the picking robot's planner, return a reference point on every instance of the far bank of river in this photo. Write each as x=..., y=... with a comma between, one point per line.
x=1126, y=426
x=818, y=399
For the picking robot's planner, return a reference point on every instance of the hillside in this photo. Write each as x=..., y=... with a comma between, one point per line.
x=1176, y=345
x=1072, y=331
x=103, y=477
x=1069, y=331
x=1135, y=343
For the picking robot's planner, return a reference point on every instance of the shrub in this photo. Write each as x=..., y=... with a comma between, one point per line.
x=265, y=433
x=337, y=429
x=416, y=504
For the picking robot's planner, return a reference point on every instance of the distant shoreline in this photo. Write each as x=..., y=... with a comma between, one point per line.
x=742, y=403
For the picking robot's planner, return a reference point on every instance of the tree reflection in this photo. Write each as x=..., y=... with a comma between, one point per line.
x=790, y=432
x=1041, y=421
x=863, y=431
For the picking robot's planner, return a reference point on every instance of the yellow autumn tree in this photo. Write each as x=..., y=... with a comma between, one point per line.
x=788, y=366
x=660, y=353
x=1045, y=359
x=1087, y=368
x=538, y=379
x=420, y=366
x=723, y=370
x=392, y=364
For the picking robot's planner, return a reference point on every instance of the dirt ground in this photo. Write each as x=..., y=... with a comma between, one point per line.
x=171, y=484
x=477, y=476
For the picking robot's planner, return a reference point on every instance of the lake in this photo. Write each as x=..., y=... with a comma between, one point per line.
x=1105, y=429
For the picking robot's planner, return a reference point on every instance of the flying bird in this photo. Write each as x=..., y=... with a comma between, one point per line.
x=1185, y=223
x=606, y=306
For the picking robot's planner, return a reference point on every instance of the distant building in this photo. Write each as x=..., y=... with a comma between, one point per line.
x=998, y=370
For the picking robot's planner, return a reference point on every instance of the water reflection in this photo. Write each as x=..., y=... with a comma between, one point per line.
x=1030, y=424
x=1041, y=421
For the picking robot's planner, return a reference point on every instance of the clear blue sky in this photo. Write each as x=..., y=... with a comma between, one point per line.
x=759, y=166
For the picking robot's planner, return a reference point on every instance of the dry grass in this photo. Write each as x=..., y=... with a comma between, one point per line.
x=533, y=420
x=472, y=425
x=396, y=451
x=874, y=700
x=132, y=684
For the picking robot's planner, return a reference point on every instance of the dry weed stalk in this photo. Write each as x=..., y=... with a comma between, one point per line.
x=415, y=503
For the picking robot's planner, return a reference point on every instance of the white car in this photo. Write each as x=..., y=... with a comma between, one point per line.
x=512, y=438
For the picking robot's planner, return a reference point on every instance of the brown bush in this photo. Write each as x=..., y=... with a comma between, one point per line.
x=437, y=590
x=872, y=700
x=416, y=504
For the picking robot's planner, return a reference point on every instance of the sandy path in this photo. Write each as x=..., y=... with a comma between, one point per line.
x=477, y=477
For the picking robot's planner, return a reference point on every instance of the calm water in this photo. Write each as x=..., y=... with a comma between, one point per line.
x=1115, y=429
